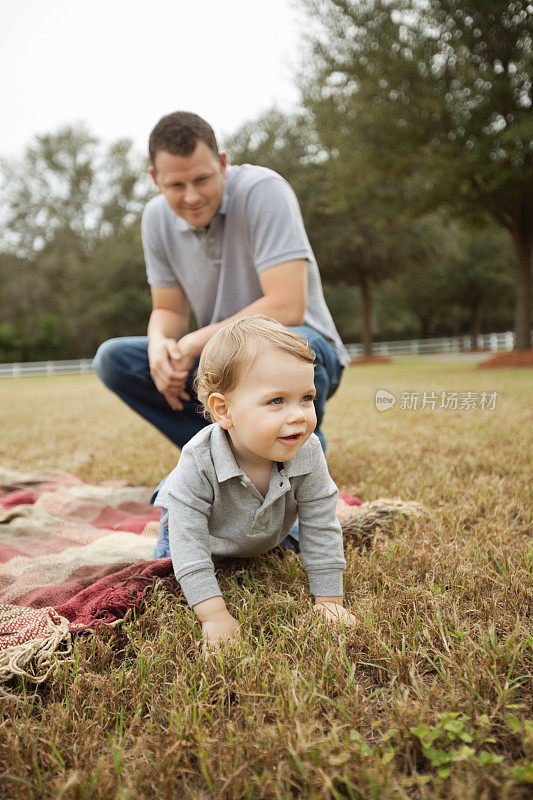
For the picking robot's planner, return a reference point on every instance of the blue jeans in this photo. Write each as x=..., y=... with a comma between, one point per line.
x=122, y=364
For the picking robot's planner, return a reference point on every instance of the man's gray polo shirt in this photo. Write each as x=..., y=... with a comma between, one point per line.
x=215, y=511
x=258, y=225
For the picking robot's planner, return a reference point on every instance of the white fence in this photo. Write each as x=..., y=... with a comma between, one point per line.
x=19, y=370
x=449, y=344
x=493, y=342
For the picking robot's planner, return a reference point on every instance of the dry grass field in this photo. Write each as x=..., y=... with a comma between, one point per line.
x=429, y=697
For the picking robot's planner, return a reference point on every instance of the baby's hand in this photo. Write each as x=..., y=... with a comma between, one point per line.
x=335, y=613
x=220, y=629
x=217, y=623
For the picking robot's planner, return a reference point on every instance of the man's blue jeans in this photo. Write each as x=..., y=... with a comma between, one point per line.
x=122, y=364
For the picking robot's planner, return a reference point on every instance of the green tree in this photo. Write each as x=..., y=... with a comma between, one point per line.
x=466, y=289
x=361, y=245
x=67, y=191
x=113, y=298
x=286, y=143
x=478, y=276
x=65, y=201
x=440, y=94
x=49, y=195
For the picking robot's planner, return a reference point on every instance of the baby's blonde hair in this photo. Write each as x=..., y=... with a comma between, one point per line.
x=235, y=346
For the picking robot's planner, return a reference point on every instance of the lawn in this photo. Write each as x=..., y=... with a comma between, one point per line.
x=429, y=697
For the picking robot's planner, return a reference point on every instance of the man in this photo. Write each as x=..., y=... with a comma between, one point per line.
x=229, y=241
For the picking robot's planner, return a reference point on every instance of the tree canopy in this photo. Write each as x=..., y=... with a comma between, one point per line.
x=437, y=92
x=71, y=266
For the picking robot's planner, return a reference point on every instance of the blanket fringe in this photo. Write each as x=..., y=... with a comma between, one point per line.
x=37, y=659
x=382, y=513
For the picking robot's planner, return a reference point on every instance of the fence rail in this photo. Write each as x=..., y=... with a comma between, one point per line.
x=493, y=342
x=26, y=368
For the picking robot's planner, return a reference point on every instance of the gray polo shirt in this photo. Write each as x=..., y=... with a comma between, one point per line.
x=258, y=225
x=215, y=511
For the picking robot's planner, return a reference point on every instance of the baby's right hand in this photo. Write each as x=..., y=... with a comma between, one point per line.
x=220, y=629
x=217, y=623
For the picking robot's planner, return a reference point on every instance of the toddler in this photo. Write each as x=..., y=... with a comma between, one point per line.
x=241, y=482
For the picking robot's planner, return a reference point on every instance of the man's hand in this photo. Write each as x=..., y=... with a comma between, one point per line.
x=169, y=353
x=169, y=371
x=334, y=612
x=217, y=623
x=186, y=350
x=170, y=364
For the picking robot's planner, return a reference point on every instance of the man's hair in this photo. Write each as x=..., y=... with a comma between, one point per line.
x=179, y=133
x=235, y=346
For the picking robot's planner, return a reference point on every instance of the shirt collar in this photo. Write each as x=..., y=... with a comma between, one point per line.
x=226, y=467
x=223, y=459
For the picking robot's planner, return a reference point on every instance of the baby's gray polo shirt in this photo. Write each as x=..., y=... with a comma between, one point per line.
x=258, y=225
x=215, y=511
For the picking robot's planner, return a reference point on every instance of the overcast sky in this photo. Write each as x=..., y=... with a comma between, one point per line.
x=119, y=65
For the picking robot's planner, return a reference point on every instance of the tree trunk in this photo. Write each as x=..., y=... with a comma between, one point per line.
x=425, y=325
x=523, y=242
x=476, y=326
x=366, y=305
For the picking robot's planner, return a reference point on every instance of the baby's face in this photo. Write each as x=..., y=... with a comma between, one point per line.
x=271, y=408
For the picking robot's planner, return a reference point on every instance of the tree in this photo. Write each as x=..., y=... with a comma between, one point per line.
x=478, y=275
x=66, y=191
x=465, y=289
x=62, y=202
x=112, y=297
x=441, y=92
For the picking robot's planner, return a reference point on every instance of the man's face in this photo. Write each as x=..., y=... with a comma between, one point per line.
x=193, y=185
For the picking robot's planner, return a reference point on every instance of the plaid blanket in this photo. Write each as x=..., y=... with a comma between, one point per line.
x=73, y=556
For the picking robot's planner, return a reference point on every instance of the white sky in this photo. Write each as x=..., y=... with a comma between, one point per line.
x=119, y=65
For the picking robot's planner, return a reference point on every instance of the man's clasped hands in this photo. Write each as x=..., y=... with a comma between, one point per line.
x=170, y=364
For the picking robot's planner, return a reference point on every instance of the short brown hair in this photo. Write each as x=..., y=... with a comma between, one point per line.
x=179, y=133
x=238, y=343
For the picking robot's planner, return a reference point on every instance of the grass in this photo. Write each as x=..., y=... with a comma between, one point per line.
x=430, y=697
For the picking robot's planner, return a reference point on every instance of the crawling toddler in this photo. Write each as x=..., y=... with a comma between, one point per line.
x=241, y=482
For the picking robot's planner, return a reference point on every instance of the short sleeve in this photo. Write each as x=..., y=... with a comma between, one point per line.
x=158, y=270
x=275, y=225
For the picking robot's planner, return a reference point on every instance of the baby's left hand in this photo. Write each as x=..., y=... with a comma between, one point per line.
x=335, y=613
